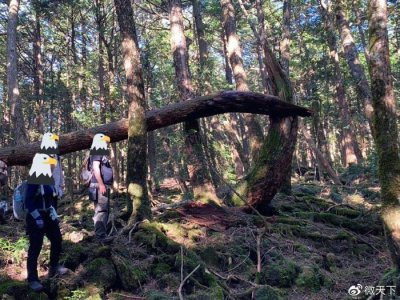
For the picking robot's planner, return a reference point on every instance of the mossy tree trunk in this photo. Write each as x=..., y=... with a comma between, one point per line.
x=385, y=133
x=138, y=201
x=270, y=171
x=17, y=117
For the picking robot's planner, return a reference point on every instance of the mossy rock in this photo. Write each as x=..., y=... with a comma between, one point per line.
x=151, y=235
x=281, y=274
x=267, y=293
x=310, y=279
x=306, y=190
x=73, y=255
x=102, y=251
x=131, y=277
x=19, y=290
x=101, y=271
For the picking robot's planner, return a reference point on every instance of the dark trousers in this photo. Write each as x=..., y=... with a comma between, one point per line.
x=101, y=211
x=36, y=235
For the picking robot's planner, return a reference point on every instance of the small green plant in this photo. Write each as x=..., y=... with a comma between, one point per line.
x=77, y=295
x=13, y=250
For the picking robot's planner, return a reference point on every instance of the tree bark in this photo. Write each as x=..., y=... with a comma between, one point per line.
x=204, y=82
x=350, y=151
x=351, y=54
x=195, y=158
x=285, y=41
x=386, y=132
x=139, y=203
x=38, y=80
x=255, y=133
x=274, y=163
x=17, y=117
x=224, y=102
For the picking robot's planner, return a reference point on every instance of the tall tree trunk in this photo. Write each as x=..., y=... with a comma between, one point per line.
x=204, y=87
x=139, y=204
x=351, y=54
x=17, y=117
x=351, y=153
x=100, y=68
x=285, y=58
x=385, y=116
x=285, y=41
x=228, y=69
x=38, y=80
x=199, y=177
x=355, y=7
x=254, y=130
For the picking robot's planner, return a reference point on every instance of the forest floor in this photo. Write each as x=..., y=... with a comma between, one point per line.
x=316, y=244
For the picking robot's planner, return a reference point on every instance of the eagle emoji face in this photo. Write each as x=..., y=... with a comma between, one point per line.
x=49, y=143
x=100, y=144
x=40, y=172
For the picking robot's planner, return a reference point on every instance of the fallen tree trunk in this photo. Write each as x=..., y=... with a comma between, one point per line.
x=224, y=102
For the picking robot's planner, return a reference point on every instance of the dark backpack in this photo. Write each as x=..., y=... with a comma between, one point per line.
x=87, y=169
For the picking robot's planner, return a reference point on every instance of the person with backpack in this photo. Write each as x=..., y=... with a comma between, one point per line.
x=100, y=185
x=41, y=216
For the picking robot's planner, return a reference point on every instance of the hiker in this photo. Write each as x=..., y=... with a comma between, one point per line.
x=100, y=185
x=41, y=217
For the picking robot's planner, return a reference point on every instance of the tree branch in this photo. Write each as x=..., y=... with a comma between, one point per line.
x=223, y=102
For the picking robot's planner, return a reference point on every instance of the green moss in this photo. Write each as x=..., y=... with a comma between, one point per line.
x=102, y=251
x=169, y=281
x=360, y=226
x=267, y=293
x=157, y=295
x=281, y=274
x=209, y=255
x=301, y=190
x=73, y=255
x=131, y=277
x=241, y=190
x=150, y=235
x=310, y=279
x=101, y=271
x=331, y=260
x=160, y=269
x=19, y=290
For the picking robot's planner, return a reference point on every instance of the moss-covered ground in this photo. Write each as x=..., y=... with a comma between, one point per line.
x=317, y=244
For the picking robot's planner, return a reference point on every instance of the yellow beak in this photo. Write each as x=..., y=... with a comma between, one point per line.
x=106, y=138
x=51, y=161
x=55, y=137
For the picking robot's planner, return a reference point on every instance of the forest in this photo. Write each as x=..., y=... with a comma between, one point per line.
x=253, y=144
